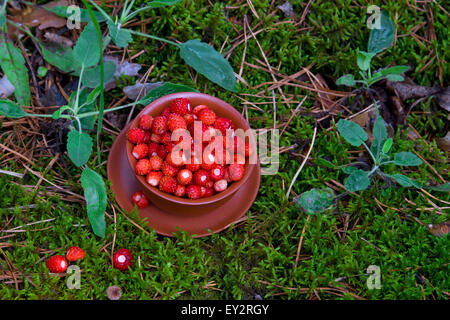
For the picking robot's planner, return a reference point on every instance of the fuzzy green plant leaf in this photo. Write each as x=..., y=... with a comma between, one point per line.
x=404, y=181
x=349, y=169
x=79, y=147
x=96, y=200
x=121, y=37
x=346, y=80
x=397, y=70
x=387, y=145
x=326, y=163
x=351, y=132
x=379, y=136
x=165, y=89
x=315, y=201
x=363, y=59
x=60, y=57
x=11, y=110
x=66, y=12
x=87, y=49
x=13, y=65
x=407, y=159
x=383, y=37
x=395, y=77
x=441, y=188
x=210, y=63
x=358, y=180
x=91, y=78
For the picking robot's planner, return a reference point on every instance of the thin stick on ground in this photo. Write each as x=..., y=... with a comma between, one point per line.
x=300, y=241
x=304, y=161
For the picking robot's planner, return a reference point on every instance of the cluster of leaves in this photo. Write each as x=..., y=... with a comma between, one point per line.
x=380, y=39
x=85, y=60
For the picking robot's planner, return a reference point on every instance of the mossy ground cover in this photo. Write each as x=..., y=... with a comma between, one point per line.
x=257, y=257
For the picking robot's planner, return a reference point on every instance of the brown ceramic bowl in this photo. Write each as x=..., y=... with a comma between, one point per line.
x=170, y=202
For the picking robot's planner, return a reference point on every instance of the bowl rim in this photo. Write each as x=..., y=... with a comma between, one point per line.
x=218, y=103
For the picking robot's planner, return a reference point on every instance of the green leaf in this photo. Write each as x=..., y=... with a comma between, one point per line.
x=442, y=187
x=326, y=163
x=153, y=5
x=57, y=113
x=95, y=195
x=11, y=109
x=315, y=200
x=394, y=77
x=210, y=63
x=79, y=147
x=357, y=180
x=382, y=38
x=91, y=77
x=60, y=57
x=387, y=145
x=352, y=132
x=393, y=70
x=121, y=37
x=349, y=169
x=42, y=71
x=87, y=49
x=363, y=60
x=13, y=65
x=86, y=103
x=346, y=80
x=404, y=181
x=407, y=159
x=165, y=89
x=379, y=136
x=66, y=12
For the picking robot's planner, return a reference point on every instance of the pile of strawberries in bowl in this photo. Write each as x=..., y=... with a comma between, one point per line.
x=187, y=151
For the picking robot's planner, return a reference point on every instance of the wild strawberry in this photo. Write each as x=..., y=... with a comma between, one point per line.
x=143, y=167
x=193, y=191
x=140, y=151
x=168, y=170
x=176, y=122
x=236, y=171
x=201, y=177
x=208, y=192
x=207, y=116
x=153, y=149
x=176, y=157
x=75, y=253
x=202, y=191
x=209, y=184
x=180, y=106
x=239, y=159
x=56, y=264
x=122, y=259
x=156, y=138
x=226, y=175
x=220, y=185
x=180, y=191
x=153, y=178
x=217, y=172
x=184, y=176
x=166, y=138
x=198, y=108
x=194, y=166
x=159, y=125
x=223, y=124
x=145, y=123
x=168, y=184
x=161, y=152
x=189, y=118
x=147, y=135
x=140, y=199
x=209, y=160
x=209, y=134
x=156, y=163
x=166, y=112
x=135, y=135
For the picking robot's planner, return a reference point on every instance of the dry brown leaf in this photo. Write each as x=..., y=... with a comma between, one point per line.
x=444, y=143
x=439, y=229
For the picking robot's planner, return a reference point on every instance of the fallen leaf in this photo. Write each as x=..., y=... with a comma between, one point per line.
x=439, y=229
x=443, y=99
x=444, y=143
x=140, y=89
x=6, y=88
x=288, y=10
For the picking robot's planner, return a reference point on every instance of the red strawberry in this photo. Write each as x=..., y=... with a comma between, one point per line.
x=156, y=138
x=168, y=170
x=145, y=123
x=217, y=172
x=201, y=177
x=153, y=149
x=202, y=191
x=56, y=264
x=135, y=135
x=139, y=199
x=180, y=191
x=220, y=185
x=168, y=184
x=159, y=125
x=147, y=136
x=184, y=176
x=180, y=106
x=156, y=163
x=236, y=171
x=165, y=112
x=153, y=178
x=140, y=151
x=198, y=108
x=166, y=138
x=226, y=175
x=239, y=159
x=193, y=192
x=143, y=167
x=189, y=118
x=208, y=192
x=209, y=184
x=194, y=166
x=209, y=160
x=207, y=116
x=122, y=259
x=176, y=122
x=223, y=124
x=75, y=253
x=161, y=152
